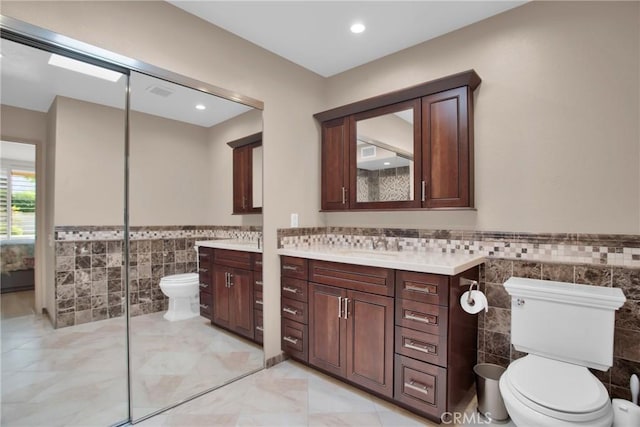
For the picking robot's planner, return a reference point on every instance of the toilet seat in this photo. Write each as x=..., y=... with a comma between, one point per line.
x=557, y=389
x=182, y=278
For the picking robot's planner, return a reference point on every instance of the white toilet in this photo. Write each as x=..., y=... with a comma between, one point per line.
x=184, y=298
x=565, y=328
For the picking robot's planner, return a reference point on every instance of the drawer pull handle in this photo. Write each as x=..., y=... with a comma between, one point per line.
x=203, y=270
x=288, y=289
x=413, y=316
x=346, y=308
x=293, y=341
x=416, y=386
x=425, y=348
x=421, y=289
x=290, y=267
x=258, y=262
x=204, y=306
x=290, y=311
x=259, y=282
x=259, y=302
x=259, y=328
x=204, y=285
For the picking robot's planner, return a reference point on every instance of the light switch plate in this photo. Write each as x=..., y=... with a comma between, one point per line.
x=294, y=220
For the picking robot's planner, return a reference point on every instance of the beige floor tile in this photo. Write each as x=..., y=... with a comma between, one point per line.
x=344, y=419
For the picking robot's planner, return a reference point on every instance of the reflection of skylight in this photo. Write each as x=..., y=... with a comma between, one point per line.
x=84, y=68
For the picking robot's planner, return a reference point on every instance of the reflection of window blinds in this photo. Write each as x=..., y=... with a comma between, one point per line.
x=4, y=218
x=23, y=199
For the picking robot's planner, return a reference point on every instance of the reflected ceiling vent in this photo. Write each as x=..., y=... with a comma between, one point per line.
x=367, y=152
x=160, y=91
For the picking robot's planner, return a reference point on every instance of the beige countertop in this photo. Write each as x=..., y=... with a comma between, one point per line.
x=231, y=244
x=420, y=261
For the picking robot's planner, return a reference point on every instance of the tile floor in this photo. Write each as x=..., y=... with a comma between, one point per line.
x=76, y=376
x=290, y=394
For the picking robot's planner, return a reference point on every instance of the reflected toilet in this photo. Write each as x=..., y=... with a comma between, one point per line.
x=182, y=291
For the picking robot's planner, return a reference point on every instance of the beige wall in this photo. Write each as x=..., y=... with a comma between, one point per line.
x=20, y=125
x=168, y=171
x=220, y=163
x=89, y=164
x=556, y=117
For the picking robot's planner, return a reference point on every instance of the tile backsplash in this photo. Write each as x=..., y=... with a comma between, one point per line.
x=600, y=260
x=90, y=267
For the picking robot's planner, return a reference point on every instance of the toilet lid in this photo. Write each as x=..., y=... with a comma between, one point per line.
x=558, y=386
x=180, y=278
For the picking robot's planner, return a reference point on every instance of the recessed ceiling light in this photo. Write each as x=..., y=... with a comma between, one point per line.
x=84, y=68
x=200, y=107
x=357, y=28
x=386, y=163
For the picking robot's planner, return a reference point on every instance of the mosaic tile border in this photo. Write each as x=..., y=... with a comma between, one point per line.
x=71, y=233
x=614, y=250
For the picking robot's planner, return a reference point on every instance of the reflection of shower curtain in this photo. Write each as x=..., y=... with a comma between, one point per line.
x=16, y=265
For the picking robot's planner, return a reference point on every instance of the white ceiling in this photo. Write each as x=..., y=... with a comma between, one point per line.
x=28, y=81
x=315, y=34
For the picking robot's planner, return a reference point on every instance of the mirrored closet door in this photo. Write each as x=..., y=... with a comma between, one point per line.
x=180, y=194
x=64, y=356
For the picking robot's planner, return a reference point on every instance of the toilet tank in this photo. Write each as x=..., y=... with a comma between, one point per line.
x=564, y=321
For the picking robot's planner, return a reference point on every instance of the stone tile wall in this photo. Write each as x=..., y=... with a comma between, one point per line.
x=90, y=268
x=601, y=260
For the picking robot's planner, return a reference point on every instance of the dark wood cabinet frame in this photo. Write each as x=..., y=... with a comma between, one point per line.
x=443, y=171
x=243, y=173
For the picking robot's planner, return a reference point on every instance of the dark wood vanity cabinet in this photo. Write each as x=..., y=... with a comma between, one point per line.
x=399, y=334
x=258, y=302
x=205, y=263
x=243, y=171
x=233, y=292
x=335, y=164
x=425, y=162
x=435, y=342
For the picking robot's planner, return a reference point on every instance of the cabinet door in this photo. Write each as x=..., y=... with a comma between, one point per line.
x=241, y=179
x=241, y=302
x=335, y=164
x=370, y=341
x=221, y=315
x=327, y=329
x=447, y=153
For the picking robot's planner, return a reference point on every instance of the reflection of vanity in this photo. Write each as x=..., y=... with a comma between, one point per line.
x=231, y=286
x=410, y=149
x=247, y=174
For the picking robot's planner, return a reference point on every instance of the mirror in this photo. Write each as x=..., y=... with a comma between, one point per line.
x=180, y=192
x=64, y=344
x=385, y=153
x=385, y=147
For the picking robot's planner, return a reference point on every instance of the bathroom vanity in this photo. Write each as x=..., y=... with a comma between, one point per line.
x=231, y=286
x=388, y=322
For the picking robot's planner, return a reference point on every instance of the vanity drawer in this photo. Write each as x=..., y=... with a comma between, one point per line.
x=205, y=255
x=258, y=335
x=420, y=385
x=205, y=284
x=257, y=262
x=422, y=346
x=423, y=287
x=206, y=303
x=257, y=300
x=423, y=317
x=295, y=289
x=237, y=259
x=374, y=280
x=294, y=340
x=294, y=310
x=296, y=268
x=257, y=281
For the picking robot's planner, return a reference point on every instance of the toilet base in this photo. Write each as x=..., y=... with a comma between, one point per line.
x=181, y=308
